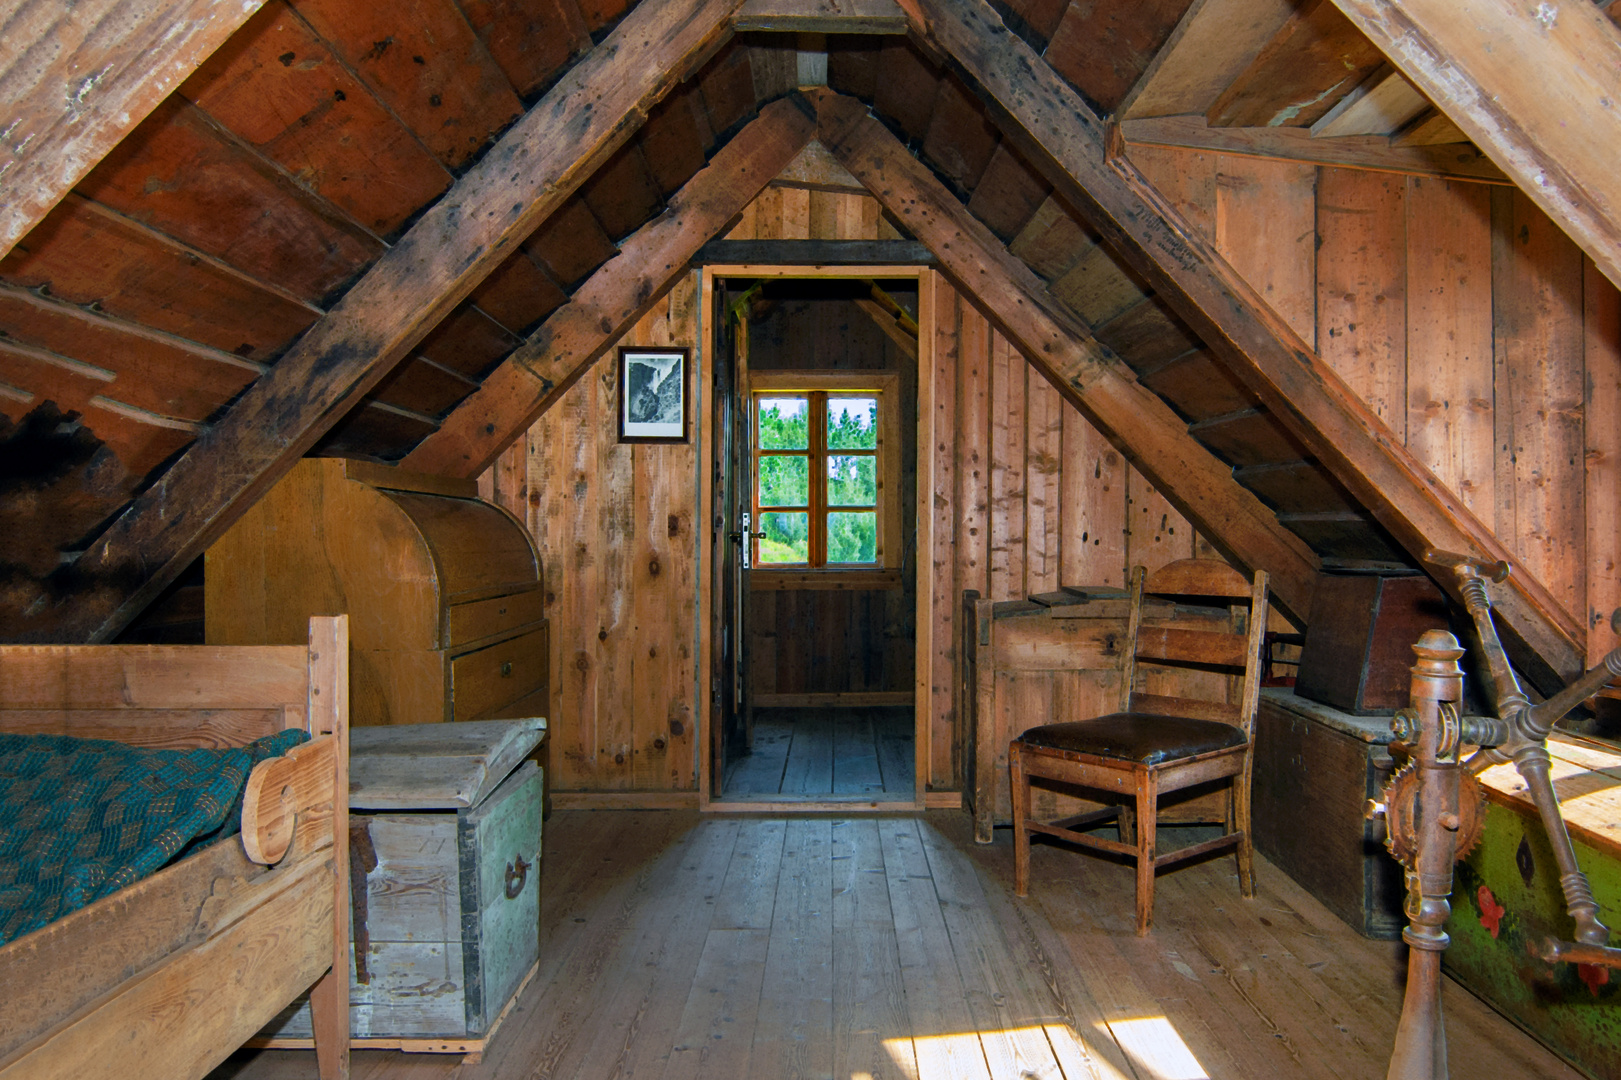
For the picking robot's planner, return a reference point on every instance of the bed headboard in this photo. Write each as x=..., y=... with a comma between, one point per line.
x=176, y=695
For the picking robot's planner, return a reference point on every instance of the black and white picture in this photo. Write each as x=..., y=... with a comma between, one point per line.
x=652, y=395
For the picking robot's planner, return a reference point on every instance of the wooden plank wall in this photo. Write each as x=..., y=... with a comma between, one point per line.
x=616, y=527
x=1028, y=496
x=1466, y=320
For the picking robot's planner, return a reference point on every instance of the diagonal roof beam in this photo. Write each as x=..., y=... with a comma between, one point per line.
x=522, y=179
x=1533, y=85
x=90, y=73
x=649, y=263
x=1061, y=136
x=1085, y=371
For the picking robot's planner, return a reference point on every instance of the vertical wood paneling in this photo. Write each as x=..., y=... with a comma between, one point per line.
x=1362, y=287
x=1449, y=337
x=1043, y=465
x=1094, y=509
x=1603, y=369
x=1537, y=313
x=1266, y=226
x=944, y=668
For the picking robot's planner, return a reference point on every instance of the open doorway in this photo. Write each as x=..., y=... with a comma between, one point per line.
x=816, y=605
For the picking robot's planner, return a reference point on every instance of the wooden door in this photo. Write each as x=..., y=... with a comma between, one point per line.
x=729, y=712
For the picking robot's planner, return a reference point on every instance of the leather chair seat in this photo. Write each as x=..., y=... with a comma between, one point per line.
x=1140, y=737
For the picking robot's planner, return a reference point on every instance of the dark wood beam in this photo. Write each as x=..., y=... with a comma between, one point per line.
x=1062, y=137
x=1533, y=85
x=648, y=265
x=588, y=115
x=1457, y=161
x=1083, y=370
x=822, y=16
x=81, y=77
x=816, y=253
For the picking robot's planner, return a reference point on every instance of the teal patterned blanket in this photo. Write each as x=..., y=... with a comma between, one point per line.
x=82, y=818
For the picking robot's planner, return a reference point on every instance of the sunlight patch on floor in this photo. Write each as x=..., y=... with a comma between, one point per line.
x=1156, y=1048
x=935, y=1054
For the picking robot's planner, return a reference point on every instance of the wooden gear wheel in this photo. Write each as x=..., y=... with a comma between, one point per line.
x=1401, y=814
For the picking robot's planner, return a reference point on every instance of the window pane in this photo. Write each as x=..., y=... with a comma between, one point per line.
x=852, y=480
x=852, y=423
x=852, y=537
x=784, y=481
x=787, y=538
x=784, y=423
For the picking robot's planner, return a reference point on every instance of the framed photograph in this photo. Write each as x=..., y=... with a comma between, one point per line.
x=653, y=394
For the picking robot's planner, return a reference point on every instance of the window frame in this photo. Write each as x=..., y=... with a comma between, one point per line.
x=885, y=386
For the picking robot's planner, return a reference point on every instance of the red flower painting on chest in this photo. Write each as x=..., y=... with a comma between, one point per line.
x=1491, y=912
x=1594, y=975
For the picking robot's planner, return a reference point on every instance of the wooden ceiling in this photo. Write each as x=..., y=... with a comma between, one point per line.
x=136, y=316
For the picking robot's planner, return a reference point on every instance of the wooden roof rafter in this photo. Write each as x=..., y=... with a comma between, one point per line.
x=649, y=263
x=530, y=172
x=1085, y=371
x=1071, y=146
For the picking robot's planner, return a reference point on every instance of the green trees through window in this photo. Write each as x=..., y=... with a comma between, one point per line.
x=816, y=495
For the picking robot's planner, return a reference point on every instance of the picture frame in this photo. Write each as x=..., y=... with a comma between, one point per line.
x=654, y=394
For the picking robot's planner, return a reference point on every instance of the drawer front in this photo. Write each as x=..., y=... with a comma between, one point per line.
x=487, y=618
x=500, y=852
x=487, y=679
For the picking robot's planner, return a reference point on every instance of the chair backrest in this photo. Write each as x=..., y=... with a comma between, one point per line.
x=1195, y=632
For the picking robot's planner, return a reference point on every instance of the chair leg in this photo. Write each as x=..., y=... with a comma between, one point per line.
x=1147, y=814
x=1246, y=845
x=1019, y=788
x=1128, y=823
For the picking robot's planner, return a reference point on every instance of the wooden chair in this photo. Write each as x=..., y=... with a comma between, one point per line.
x=1156, y=743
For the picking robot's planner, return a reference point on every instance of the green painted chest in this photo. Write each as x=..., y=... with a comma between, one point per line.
x=445, y=845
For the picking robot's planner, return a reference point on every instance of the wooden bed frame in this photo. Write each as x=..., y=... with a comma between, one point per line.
x=166, y=978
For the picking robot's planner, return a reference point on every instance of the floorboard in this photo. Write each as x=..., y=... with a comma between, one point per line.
x=850, y=753
x=677, y=946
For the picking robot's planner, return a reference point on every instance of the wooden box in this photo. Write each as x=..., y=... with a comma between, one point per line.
x=1315, y=769
x=445, y=872
x=1359, y=645
x=443, y=590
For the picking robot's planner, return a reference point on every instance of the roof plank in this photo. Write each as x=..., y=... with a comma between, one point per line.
x=1513, y=76
x=584, y=118
x=649, y=262
x=1086, y=372
x=1064, y=138
x=92, y=72
x=1212, y=45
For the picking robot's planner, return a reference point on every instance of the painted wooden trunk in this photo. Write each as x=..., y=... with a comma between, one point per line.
x=446, y=926
x=1506, y=898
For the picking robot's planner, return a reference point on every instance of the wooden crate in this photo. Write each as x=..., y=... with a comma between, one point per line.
x=1359, y=645
x=446, y=886
x=1315, y=769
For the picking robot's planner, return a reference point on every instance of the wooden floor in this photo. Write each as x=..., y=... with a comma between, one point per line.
x=864, y=752
x=679, y=946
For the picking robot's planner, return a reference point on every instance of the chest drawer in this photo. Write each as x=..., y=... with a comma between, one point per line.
x=480, y=619
x=486, y=679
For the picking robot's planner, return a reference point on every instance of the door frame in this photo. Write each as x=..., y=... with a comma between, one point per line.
x=923, y=652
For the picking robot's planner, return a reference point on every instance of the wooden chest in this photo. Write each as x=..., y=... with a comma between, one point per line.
x=1315, y=769
x=443, y=591
x=445, y=849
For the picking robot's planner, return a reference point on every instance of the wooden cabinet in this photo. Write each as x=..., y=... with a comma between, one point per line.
x=1026, y=663
x=443, y=591
x=444, y=829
